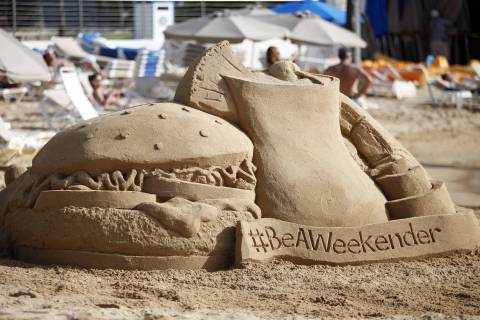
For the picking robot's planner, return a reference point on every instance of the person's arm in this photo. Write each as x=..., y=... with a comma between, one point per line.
x=328, y=71
x=366, y=81
x=114, y=99
x=110, y=100
x=96, y=68
x=99, y=97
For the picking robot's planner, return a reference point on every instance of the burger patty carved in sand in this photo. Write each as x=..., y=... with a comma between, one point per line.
x=185, y=184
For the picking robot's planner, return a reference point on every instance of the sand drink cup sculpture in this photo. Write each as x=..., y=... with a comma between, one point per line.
x=243, y=165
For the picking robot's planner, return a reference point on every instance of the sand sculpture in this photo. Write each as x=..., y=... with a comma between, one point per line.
x=164, y=185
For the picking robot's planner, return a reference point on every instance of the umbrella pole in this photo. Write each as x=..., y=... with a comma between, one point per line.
x=357, y=29
x=303, y=52
x=252, y=56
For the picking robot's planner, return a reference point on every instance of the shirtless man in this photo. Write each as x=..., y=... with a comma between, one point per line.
x=348, y=75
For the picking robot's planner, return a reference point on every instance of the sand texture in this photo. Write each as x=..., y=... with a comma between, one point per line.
x=433, y=288
x=154, y=136
x=429, y=288
x=403, y=239
x=316, y=182
x=443, y=286
x=295, y=128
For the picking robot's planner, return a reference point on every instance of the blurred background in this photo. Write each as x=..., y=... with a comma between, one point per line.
x=398, y=28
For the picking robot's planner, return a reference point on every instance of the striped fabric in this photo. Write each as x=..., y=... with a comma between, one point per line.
x=92, y=42
x=150, y=63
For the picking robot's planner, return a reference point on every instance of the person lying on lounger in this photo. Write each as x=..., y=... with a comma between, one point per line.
x=447, y=82
x=108, y=100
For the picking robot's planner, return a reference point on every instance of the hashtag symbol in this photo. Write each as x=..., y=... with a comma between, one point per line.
x=257, y=239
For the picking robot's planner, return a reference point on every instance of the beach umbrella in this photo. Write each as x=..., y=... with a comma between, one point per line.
x=324, y=10
x=224, y=25
x=254, y=10
x=19, y=63
x=311, y=30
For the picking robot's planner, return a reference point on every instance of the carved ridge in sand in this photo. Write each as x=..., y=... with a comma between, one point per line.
x=239, y=177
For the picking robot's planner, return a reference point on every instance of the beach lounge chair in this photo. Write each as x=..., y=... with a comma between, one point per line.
x=6, y=153
x=380, y=86
x=94, y=43
x=446, y=96
x=150, y=63
x=15, y=142
x=13, y=94
x=68, y=104
x=120, y=69
x=150, y=81
x=476, y=68
x=119, y=73
x=398, y=87
x=76, y=93
x=69, y=48
x=57, y=109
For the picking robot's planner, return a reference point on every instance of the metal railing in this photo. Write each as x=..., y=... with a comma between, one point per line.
x=41, y=19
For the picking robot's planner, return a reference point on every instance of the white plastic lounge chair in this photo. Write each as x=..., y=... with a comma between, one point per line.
x=393, y=89
x=120, y=69
x=150, y=83
x=476, y=68
x=75, y=92
x=57, y=109
x=398, y=88
x=13, y=94
x=446, y=97
x=87, y=87
x=68, y=104
x=69, y=48
x=15, y=142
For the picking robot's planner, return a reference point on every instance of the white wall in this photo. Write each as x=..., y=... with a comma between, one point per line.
x=152, y=18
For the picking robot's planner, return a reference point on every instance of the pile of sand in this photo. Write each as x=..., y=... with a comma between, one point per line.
x=426, y=288
x=434, y=135
x=448, y=286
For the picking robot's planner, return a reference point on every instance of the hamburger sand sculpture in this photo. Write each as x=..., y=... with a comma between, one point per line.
x=242, y=166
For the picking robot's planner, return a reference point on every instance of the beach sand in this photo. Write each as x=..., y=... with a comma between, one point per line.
x=444, y=139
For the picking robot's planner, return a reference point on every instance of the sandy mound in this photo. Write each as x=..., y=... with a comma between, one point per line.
x=434, y=288
x=449, y=286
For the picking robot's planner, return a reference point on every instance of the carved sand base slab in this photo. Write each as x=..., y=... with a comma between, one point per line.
x=86, y=259
x=265, y=239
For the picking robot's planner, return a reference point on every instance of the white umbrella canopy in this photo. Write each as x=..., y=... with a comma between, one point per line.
x=254, y=10
x=225, y=26
x=310, y=29
x=19, y=63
